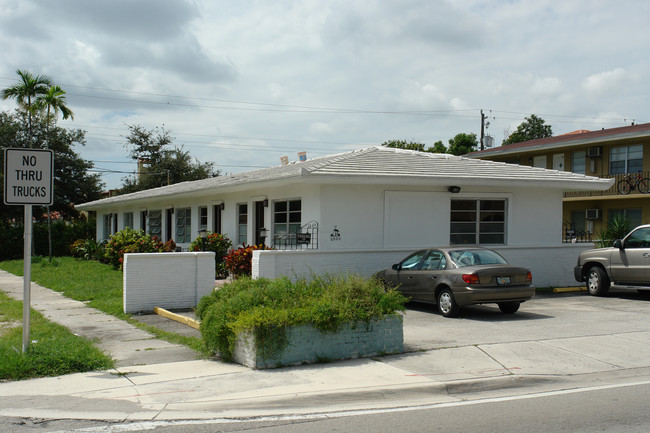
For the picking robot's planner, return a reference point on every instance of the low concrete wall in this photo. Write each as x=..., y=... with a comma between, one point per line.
x=307, y=344
x=551, y=266
x=166, y=280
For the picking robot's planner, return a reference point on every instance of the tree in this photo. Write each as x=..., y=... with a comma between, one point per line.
x=462, y=143
x=161, y=165
x=30, y=87
x=72, y=181
x=438, y=147
x=530, y=129
x=403, y=144
x=54, y=100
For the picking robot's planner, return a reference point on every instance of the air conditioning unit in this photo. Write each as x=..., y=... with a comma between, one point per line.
x=594, y=152
x=592, y=214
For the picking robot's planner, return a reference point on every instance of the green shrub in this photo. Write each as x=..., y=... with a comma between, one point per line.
x=617, y=228
x=88, y=249
x=239, y=262
x=219, y=244
x=269, y=306
x=129, y=241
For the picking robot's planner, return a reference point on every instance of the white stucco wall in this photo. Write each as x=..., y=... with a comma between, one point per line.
x=550, y=266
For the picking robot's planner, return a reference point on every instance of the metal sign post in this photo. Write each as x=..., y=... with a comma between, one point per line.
x=29, y=178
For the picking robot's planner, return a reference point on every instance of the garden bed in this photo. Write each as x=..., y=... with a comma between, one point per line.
x=306, y=344
x=267, y=323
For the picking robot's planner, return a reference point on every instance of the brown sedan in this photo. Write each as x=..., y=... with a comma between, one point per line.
x=453, y=277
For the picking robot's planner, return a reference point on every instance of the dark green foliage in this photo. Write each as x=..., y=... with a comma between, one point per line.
x=217, y=243
x=531, y=129
x=72, y=181
x=63, y=235
x=617, y=228
x=129, y=240
x=267, y=307
x=239, y=262
x=162, y=164
x=462, y=143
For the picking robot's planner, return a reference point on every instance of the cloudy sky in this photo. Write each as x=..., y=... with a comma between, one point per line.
x=242, y=83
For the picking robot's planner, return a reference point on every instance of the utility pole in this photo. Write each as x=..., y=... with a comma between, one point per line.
x=482, y=130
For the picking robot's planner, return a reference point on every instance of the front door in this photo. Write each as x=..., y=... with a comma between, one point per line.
x=259, y=222
x=558, y=161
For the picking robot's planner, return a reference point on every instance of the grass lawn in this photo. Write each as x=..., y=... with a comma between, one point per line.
x=96, y=284
x=53, y=349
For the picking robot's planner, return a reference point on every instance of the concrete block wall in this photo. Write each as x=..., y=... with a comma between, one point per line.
x=550, y=266
x=308, y=345
x=166, y=280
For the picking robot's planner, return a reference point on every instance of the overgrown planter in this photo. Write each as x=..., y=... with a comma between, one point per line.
x=307, y=344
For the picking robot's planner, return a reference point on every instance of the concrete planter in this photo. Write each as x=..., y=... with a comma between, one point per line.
x=307, y=344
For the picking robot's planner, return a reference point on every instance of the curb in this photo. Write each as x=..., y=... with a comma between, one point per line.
x=177, y=317
x=569, y=289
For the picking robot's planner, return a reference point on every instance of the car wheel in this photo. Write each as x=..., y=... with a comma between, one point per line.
x=597, y=281
x=509, y=307
x=447, y=304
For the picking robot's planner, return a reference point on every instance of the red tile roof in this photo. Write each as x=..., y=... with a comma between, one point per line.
x=580, y=135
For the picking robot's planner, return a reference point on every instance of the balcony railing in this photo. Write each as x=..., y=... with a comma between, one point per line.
x=572, y=234
x=304, y=238
x=624, y=184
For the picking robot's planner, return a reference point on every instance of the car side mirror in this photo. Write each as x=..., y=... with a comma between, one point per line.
x=397, y=267
x=618, y=244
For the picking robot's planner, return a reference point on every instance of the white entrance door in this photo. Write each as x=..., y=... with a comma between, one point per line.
x=558, y=161
x=539, y=161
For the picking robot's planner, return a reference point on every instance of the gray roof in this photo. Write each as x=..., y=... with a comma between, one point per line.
x=379, y=165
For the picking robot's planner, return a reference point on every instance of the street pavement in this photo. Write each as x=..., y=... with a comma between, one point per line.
x=554, y=341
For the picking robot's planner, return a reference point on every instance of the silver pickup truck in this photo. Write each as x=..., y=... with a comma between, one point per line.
x=627, y=263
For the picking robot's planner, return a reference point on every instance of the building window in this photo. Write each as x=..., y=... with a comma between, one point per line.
x=154, y=222
x=128, y=219
x=108, y=225
x=203, y=218
x=626, y=159
x=578, y=162
x=287, y=217
x=632, y=215
x=242, y=223
x=183, y=225
x=478, y=221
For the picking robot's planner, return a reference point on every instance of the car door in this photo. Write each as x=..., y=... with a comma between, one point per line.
x=402, y=275
x=426, y=278
x=630, y=264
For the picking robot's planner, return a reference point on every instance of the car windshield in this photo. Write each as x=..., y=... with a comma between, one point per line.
x=464, y=258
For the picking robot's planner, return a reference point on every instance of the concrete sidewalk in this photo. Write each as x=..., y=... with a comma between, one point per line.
x=125, y=343
x=206, y=389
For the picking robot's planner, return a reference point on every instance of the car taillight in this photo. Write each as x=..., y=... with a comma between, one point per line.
x=471, y=278
x=529, y=277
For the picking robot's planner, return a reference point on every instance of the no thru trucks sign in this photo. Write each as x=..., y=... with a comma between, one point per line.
x=29, y=176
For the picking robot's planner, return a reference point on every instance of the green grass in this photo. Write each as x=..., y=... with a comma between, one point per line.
x=53, y=349
x=97, y=284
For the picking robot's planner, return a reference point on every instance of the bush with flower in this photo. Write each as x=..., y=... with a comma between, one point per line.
x=239, y=261
x=130, y=241
x=219, y=244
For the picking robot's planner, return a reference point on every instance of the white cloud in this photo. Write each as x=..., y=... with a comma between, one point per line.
x=606, y=82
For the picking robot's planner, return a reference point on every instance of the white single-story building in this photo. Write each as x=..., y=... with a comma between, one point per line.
x=360, y=211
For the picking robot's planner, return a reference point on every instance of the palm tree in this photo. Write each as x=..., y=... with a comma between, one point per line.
x=54, y=100
x=26, y=91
